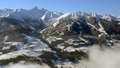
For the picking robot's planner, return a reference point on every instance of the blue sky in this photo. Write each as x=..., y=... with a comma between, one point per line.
x=99, y=6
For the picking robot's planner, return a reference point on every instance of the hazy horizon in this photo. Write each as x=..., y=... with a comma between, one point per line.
x=98, y=6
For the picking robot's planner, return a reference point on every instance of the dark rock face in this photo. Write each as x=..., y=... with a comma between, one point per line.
x=10, y=29
x=27, y=26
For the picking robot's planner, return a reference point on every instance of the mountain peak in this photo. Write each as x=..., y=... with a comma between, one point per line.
x=35, y=7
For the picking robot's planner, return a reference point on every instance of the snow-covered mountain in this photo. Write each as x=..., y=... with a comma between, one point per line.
x=35, y=14
x=72, y=34
x=31, y=19
x=55, y=39
x=6, y=12
x=109, y=22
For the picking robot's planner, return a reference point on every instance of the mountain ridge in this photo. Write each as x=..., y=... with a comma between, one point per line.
x=52, y=38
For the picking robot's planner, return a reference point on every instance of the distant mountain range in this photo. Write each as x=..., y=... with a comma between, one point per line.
x=34, y=13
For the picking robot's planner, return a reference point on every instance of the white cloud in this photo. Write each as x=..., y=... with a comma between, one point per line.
x=102, y=58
